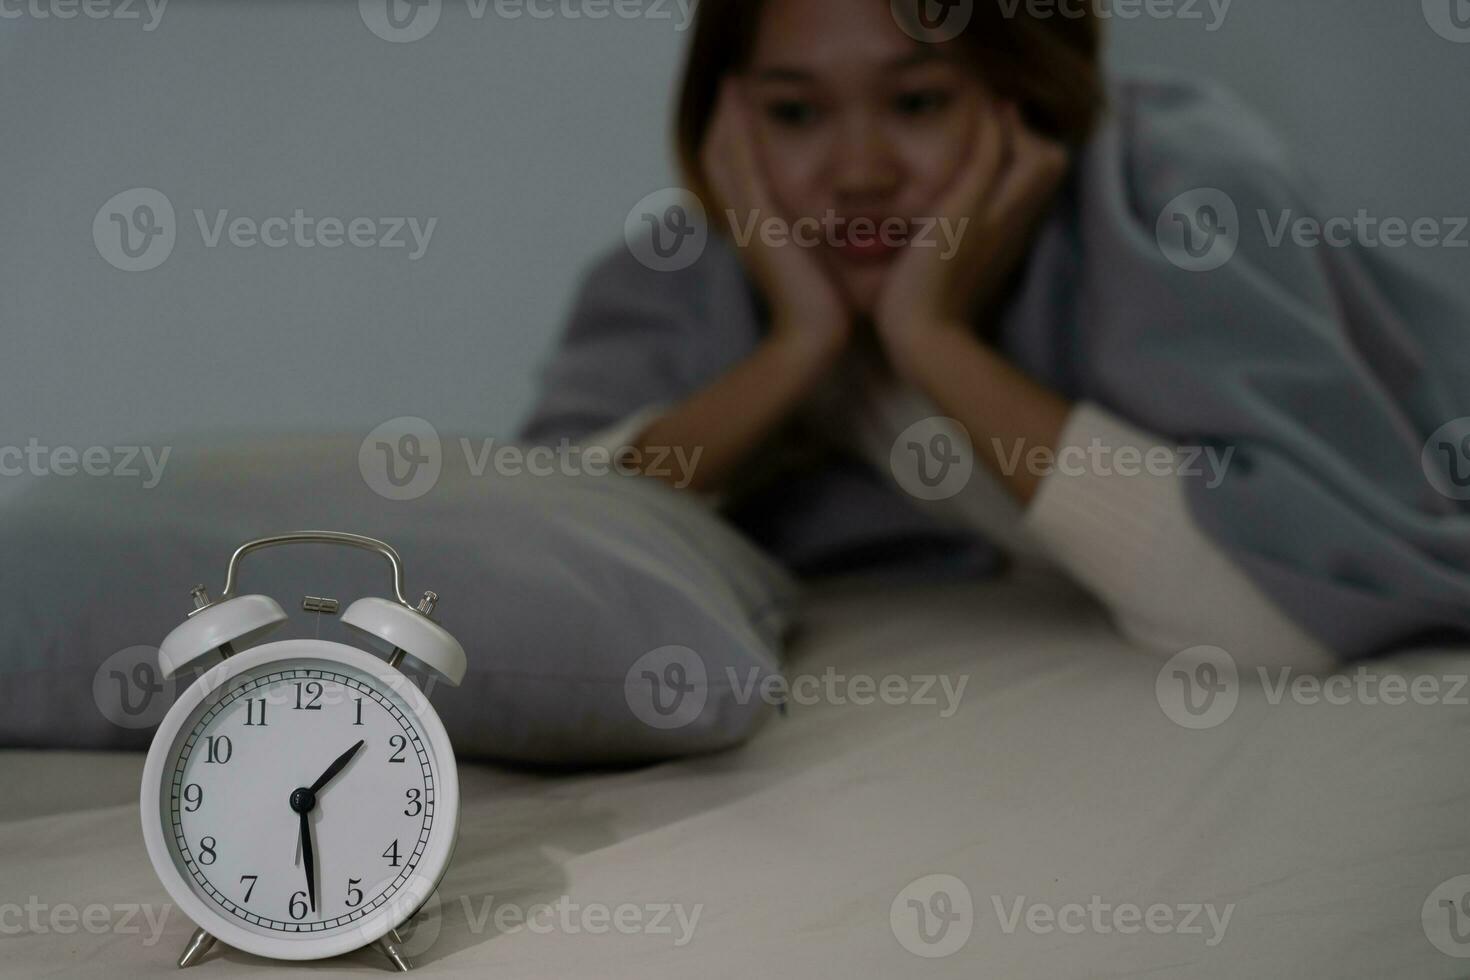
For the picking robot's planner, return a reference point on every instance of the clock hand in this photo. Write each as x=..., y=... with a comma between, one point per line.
x=303, y=801
x=336, y=767
x=307, y=858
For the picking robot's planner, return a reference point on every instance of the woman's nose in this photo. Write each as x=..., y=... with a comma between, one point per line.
x=866, y=164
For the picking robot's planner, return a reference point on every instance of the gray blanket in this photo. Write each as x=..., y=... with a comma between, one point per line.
x=1161, y=288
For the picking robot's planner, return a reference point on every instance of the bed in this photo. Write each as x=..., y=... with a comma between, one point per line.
x=1056, y=794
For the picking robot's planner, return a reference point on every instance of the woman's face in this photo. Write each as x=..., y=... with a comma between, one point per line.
x=856, y=120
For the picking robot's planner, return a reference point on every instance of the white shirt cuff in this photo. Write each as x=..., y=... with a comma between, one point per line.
x=1113, y=513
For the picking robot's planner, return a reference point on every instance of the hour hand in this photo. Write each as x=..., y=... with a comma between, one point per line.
x=337, y=766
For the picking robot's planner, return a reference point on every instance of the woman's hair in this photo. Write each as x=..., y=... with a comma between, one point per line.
x=1049, y=65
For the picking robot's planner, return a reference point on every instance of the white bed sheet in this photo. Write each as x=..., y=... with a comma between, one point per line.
x=1058, y=778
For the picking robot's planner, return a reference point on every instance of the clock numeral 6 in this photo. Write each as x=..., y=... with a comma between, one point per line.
x=206, y=850
x=298, y=901
x=193, y=797
x=218, y=749
x=354, y=894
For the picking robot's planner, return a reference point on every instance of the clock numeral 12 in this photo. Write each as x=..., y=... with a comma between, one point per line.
x=313, y=691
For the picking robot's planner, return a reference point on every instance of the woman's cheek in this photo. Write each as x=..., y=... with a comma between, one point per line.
x=792, y=169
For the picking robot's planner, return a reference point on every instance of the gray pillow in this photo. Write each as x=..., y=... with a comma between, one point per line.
x=577, y=598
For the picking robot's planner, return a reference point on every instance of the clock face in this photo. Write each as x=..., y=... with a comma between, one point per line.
x=299, y=797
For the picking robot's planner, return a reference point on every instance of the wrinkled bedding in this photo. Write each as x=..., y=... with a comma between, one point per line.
x=1055, y=776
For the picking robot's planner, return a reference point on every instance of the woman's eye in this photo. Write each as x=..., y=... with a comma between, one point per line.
x=922, y=102
x=791, y=112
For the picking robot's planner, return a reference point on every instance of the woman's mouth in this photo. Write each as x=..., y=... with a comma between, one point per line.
x=865, y=252
x=870, y=240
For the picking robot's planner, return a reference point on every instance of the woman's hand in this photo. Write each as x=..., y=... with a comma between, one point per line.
x=806, y=307
x=993, y=205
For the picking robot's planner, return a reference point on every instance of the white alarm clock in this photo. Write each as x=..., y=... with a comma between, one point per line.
x=300, y=799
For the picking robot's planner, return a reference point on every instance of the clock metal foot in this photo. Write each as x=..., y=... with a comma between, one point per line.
x=199, y=944
x=391, y=945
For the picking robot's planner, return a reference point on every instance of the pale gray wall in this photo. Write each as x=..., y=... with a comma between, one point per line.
x=529, y=141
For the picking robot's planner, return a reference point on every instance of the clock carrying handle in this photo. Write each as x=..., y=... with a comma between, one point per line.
x=319, y=537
